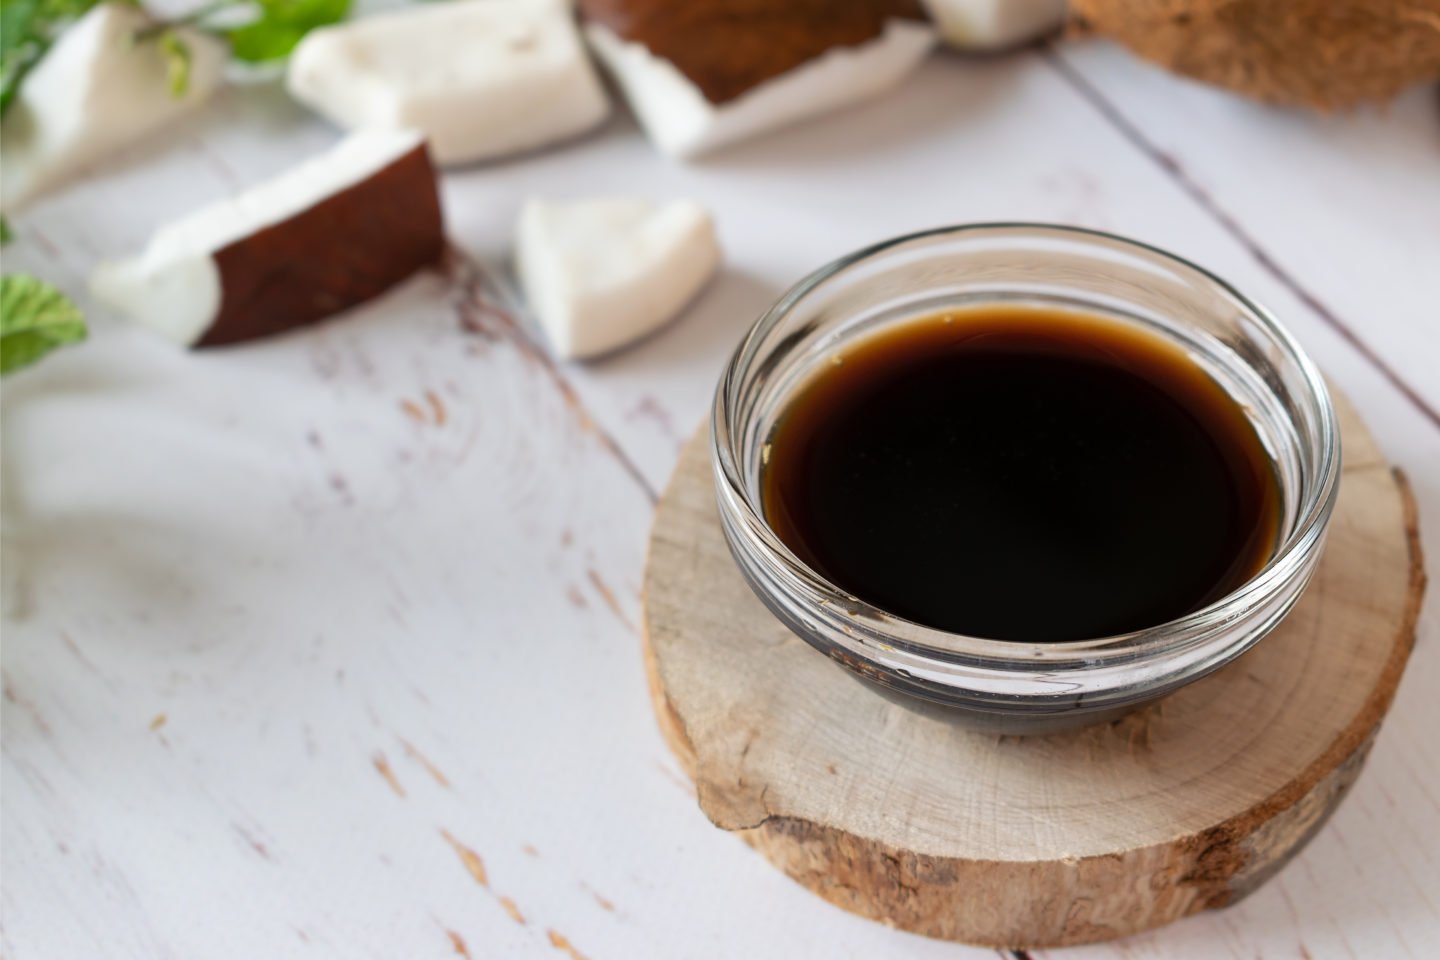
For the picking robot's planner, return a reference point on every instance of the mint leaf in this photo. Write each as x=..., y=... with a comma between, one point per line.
x=17, y=18
x=21, y=45
x=177, y=62
x=15, y=65
x=281, y=25
x=263, y=40
x=27, y=28
x=35, y=318
x=66, y=9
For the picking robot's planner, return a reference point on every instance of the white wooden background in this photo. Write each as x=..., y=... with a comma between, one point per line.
x=328, y=644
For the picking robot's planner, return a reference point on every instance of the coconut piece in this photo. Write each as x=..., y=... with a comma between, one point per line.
x=96, y=91
x=600, y=273
x=711, y=72
x=480, y=78
x=994, y=24
x=334, y=231
x=1327, y=54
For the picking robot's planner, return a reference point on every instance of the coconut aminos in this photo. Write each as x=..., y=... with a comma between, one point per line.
x=1021, y=474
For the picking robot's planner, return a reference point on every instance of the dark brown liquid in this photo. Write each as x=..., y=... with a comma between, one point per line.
x=1021, y=474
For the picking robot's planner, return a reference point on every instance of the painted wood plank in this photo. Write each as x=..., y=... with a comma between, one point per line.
x=1346, y=206
x=328, y=643
x=290, y=616
x=306, y=671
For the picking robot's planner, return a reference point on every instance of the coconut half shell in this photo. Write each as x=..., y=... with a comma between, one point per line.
x=1327, y=54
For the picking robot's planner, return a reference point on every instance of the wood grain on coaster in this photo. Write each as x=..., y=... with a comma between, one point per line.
x=904, y=816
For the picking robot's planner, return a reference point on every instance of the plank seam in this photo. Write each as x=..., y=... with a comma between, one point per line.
x=1172, y=167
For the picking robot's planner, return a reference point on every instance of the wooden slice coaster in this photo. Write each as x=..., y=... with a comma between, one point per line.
x=903, y=816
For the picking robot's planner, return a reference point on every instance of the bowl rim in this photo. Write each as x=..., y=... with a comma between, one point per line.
x=1290, y=557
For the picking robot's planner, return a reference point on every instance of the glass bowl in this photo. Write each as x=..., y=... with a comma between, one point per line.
x=1011, y=686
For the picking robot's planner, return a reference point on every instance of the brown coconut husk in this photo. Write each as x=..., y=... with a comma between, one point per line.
x=1327, y=54
x=726, y=47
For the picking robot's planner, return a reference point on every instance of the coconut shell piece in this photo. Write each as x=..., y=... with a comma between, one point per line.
x=346, y=249
x=727, y=47
x=1326, y=54
x=330, y=233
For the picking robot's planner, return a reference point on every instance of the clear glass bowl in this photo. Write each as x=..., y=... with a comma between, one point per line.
x=1027, y=687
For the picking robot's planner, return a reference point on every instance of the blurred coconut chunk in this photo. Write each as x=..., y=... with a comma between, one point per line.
x=994, y=24
x=600, y=273
x=338, y=229
x=704, y=74
x=96, y=91
x=480, y=78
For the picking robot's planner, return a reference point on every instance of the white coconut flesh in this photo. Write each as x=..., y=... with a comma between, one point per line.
x=683, y=123
x=94, y=92
x=994, y=24
x=600, y=273
x=480, y=78
x=174, y=285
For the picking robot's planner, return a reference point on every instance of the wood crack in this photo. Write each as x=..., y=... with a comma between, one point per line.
x=483, y=296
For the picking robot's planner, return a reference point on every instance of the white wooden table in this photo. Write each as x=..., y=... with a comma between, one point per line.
x=328, y=644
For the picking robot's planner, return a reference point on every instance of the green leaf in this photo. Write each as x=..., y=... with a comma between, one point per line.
x=35, y=318
x=66, y=9
x=177, y=62
x=27, y=28
x=263, y=40
x=16, y=64
x=281, y=25
x=20, y=46
x=6, y=234
x=305, y=13
x=17, y=18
